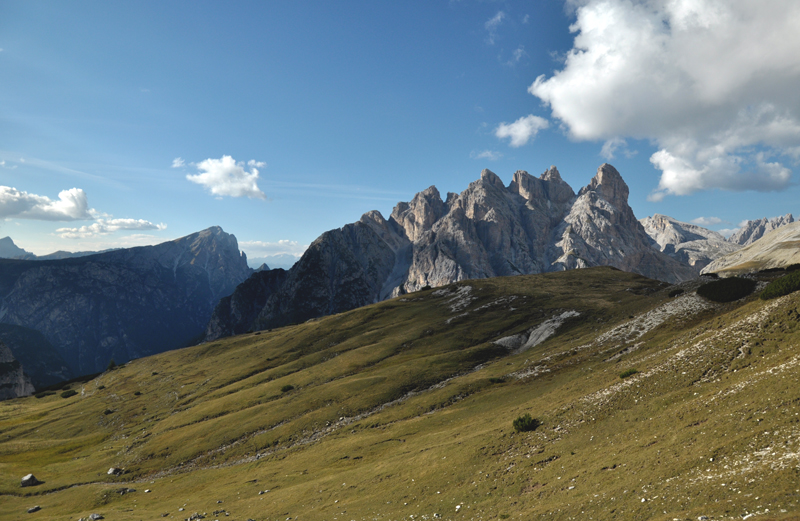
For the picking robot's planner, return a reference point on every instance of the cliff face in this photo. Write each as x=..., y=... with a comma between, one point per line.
x=123, y=304
x=13, y=382
x=687, y=243
x=533, y=225
x=39, y=359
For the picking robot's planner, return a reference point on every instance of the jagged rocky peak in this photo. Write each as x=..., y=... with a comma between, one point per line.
x=753, y=230
x=609, y=184
x=490, y=177
x=551, y=174
x=419, y=215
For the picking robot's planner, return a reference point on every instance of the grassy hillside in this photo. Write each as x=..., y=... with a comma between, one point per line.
x=404, y=410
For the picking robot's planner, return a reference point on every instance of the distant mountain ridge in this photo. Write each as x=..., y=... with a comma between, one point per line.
x=685, y=242
x=9, y=250
x=752, y=230
x=533, y=225
x=775, y=249
x=126, y=303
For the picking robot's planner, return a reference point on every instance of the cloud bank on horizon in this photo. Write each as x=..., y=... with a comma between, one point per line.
x=712, y=83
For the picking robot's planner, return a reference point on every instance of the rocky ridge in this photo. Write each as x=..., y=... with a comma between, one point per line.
x=776, y=249
x=753, y=230
x=123, y=304
x=687, y=243
x=533, y=225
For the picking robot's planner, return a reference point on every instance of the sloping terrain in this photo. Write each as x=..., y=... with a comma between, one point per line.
x=687, y=243
x=404, y=410
x=777, y=249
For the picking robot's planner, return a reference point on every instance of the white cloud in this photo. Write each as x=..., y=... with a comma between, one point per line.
x=178, y=162
x=526, y=18
x=107, y=226
x=72, y=205
x=712, y=82
x=611, y=146
x=707, y=221
x=227, y=177
x=727, y=232
x=257, y=249
x=491, y=26
x=516, y=56
x=491, y=155
x=522, y=130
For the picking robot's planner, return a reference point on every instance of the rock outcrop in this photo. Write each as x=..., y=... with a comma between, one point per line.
x=533, y=225
x=13, y=381
x=776, y=249
x=753, y=230
x=687, y=243
x=123, y=304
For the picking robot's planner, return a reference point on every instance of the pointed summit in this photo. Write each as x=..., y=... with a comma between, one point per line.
x=551, y=174
x=490, y=177
x=609, y=185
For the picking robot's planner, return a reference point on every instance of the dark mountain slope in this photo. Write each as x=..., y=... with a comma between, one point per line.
x=123, y=304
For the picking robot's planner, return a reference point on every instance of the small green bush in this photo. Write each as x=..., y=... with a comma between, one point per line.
x=526, y=423
x=137, y=393
x=42, y=394
x=111, y=365
x=675, y=292
x=67, y=394
x=497, y=380
x=727, y=290
x=108, y=411
x=627, y=373
x=789, y=283
x=100, y=387
x=287, y=388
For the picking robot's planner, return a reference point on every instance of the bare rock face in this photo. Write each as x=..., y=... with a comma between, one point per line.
x=13, y=382
x=776, y=249
x=41, y=361
x=533, y=225
x=123, y=304
x=688, y=243
x=751, y=231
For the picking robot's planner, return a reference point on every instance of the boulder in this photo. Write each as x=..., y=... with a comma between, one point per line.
x=30, y=481
x=34, y=509
x=115, y=471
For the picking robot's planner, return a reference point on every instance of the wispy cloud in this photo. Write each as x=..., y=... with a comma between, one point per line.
x=178, y=162
x=491, y=26
x=491, y=155
x=522, y=130
x=516, y=56
x=227, y=177
x=611, y=146
x=707, y=221
x=107, y=226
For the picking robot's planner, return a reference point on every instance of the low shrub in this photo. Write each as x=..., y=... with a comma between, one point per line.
x=727, y=290
x=137, y=393
x=70, y=392
x=497, y=380
x=108, y=411
x=287, y=388
x=44, y=393
x=675, y=292
x=789, y=283
x=627, y=373
x=526, y=423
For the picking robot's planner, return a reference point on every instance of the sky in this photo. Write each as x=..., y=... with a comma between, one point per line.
x=133, y=123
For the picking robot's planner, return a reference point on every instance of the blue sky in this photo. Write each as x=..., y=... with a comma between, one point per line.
x=124, y=124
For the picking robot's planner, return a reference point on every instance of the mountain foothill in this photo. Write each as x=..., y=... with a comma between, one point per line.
x=70, y=314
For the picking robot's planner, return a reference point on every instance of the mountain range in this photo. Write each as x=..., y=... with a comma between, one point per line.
x=122, y=304
x=533, y=225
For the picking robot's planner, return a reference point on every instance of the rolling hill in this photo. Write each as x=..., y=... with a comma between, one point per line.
x=654, y=404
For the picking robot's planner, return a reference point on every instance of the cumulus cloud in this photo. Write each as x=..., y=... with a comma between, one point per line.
x=491, y=26
x=107, y=226
x=707, y=221
x=713, y=83
x=491, y=155
x=522, y=130
x=178, y=162
x=72, y=205
x=226, y=176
